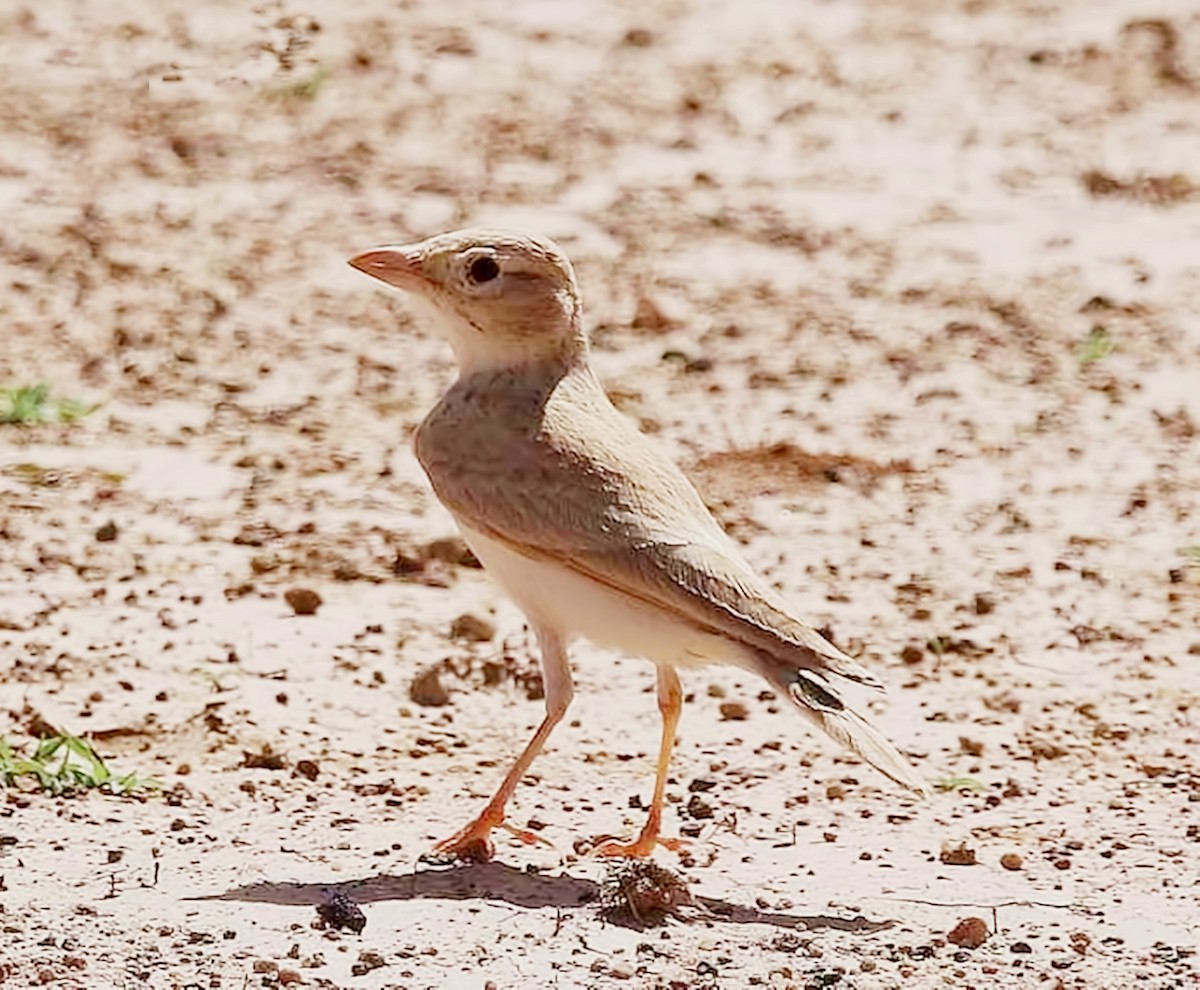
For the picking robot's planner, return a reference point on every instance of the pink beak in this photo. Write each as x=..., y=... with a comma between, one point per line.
x=397, y=265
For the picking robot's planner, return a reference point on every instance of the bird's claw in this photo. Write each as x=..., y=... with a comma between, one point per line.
x=640, y=848
x=529, y=838
x=473, y=843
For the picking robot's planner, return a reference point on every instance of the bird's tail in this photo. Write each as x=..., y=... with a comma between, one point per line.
x=819, y=701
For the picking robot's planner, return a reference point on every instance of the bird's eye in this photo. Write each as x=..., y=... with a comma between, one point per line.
x=483, y=269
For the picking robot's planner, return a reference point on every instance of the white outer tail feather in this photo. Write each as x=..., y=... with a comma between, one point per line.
x=857, y=734
x=851, y=729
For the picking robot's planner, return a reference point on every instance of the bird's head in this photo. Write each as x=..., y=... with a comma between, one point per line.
x=501, y=298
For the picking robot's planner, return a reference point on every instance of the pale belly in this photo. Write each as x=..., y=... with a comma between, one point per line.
x=573, y=605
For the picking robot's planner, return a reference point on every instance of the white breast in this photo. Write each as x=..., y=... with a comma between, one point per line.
x=573, y=605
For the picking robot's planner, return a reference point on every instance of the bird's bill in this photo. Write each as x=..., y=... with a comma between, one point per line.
x=398, y=266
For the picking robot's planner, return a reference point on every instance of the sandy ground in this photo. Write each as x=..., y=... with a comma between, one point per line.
x=911, y=286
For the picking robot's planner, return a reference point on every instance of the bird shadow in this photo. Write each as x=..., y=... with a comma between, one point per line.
x=524, y=889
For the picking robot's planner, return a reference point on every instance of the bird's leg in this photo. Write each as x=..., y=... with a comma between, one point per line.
x=473, y=842
x=670, y=704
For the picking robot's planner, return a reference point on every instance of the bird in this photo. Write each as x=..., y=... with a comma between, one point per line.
x=584, y=523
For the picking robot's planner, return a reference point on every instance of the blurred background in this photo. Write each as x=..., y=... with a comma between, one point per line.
x=910, y=287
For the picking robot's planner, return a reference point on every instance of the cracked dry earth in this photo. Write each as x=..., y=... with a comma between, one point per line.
x=910, y=286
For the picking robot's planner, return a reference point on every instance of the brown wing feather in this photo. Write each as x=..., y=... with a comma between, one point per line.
x=543, y=466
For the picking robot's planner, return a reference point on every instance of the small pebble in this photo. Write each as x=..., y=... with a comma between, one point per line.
x=452, y=550
x=303, y=601
x=970, y=933
x=367, y=961
x=960, y=855
x=472, y=628
x=427, y=689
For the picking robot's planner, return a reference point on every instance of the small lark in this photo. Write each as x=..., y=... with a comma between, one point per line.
x=581, y=520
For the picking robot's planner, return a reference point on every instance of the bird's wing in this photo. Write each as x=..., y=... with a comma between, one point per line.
x=719, y=592
x=610, y=507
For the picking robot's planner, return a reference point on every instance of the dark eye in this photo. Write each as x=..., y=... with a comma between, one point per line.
x=483, y=269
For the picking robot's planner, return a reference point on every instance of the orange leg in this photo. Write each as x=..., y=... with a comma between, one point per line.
x=473, y=842
x=670, y=704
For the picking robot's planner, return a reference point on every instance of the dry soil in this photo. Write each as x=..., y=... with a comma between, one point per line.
x=912, y=287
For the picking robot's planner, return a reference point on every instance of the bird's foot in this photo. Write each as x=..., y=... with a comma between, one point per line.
x=473, y=843
x=529, y=838
x=639, y=848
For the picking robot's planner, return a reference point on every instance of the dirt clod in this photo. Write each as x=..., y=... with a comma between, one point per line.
x=303, y=601
x=308, y=769
x=427, y=689
x=452, y=550
x=958, y=855
x=970, y=933
x=643, y=890
x=367, y=961
x=337, y=909
x=265, y=759
x=472, y=628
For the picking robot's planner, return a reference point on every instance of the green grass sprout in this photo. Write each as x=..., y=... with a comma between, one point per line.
x=31, y=404
x=1096, y=347
x=958, y=783
x=64, y=765
x=309, y=88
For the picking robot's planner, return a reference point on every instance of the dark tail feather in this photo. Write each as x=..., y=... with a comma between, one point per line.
x=818, y=700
